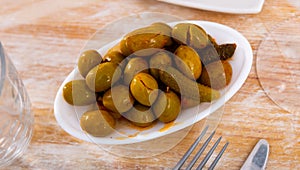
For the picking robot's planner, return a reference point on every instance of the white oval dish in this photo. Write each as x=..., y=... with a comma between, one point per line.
x=228, y=6
x=241, y=63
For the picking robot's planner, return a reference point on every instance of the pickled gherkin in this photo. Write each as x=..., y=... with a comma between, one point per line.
x=226, y=51
x=187, y=87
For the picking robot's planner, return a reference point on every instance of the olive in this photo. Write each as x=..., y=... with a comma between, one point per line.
x=198, y=37
x=76, y=92
x=114, y=56
x=98, y=123
x=100, y=105
x=124, y=49
x=116, y=47
x=153, y=36
x=188, y=61
x=140, y=115
x=191, y=35
x=180, y=32
x=158, y=61
x=144, y=88
x=167, y=106
x=216, y=74
x=166, y=29
x=103, y=76
x=118, y=99
x=134, y=66
x=227, y=70
x=88, y=60
x=208, y=54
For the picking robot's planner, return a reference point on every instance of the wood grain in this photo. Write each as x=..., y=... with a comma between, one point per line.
x=44, y=38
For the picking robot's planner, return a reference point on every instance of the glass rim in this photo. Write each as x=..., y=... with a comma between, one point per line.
x=3, y=67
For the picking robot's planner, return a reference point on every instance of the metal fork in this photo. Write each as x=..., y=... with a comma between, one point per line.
x=200, y=151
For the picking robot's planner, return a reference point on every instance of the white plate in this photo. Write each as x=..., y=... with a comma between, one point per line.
x=241, y=63
x=227, y=6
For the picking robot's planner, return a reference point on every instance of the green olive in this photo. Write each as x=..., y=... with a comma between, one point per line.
x=76, y=92
x=140, y=115
x=116, y=47
x=167, y=106
x=98, y=123
x=122, y=100
x=88, y=60
x=153, y=36
x=198, y=37
x=216, y=74
x=228, y=71
x=158, y=61
x=180, y=32
x=163, y=26
x=124, y=49
x=115, y=57
x=191, y=35
x=134, y=66
x=103, y=76
x=100, y=106
x=208, y=54
x=144, y=88
x=188, y=61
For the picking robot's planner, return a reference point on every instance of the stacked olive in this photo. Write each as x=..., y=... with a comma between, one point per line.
x=155, y=72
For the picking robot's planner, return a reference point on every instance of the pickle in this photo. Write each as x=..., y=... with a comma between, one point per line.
x=187, y=87
x=226, y=51
x=214, y=52
x=188, y=103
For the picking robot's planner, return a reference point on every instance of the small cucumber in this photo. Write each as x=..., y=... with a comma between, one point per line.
x=187, y=87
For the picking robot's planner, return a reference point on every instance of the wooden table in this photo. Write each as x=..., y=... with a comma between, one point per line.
x=44, y=38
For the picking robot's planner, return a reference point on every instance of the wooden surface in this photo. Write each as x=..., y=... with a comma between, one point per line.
x=44, y=38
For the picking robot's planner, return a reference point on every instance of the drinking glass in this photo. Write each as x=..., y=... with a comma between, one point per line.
x=278, y=64
x=16, y=118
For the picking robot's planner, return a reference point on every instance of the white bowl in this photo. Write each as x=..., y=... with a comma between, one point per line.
x=68, y=116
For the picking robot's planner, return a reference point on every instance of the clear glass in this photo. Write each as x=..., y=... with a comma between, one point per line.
x=278, y=64
x=16, y=118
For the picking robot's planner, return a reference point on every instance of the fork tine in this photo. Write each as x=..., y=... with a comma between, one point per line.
x=190, y=150
x=212, y=166
x=208, y=155
x=198, y=154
